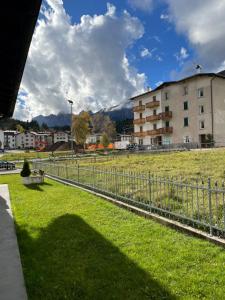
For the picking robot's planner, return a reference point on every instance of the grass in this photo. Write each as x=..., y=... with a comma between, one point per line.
x=30, y=155
x=188, y=164
x=75, y=245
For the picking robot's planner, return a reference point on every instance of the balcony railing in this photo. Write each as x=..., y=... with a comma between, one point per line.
x=139, y=108
x=152, y=104
x=163, y=130
x=139, y=121
x=161, y=116
x=140, y=134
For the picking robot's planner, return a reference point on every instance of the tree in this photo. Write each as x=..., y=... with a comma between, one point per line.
x=44, y=126
x=105, y=140
x=26, y=169
x=20, y=128
x=103, y=124
x=81, y=128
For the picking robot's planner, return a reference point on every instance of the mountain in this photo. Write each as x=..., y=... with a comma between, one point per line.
x=115, y=113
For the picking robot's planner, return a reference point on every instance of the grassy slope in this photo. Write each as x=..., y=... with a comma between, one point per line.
x=77, y=246
x=188, y=164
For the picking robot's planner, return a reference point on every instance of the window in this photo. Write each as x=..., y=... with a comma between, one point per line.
x=200, y=92
x=185, y=105
x=185, y=90
x=140, y=141
x=202, y=124
x=167, y=108
x=140, y=115
x=186, y=122
x=154, y=112
x=201, y=109
x=187, y=139
x=140, y=103
x=167, y=124
x=141, y=129
x=154, y=98
x=166, y=95
x=154, y=126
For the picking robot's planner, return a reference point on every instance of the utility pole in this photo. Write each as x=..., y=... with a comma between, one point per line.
x=71, y=103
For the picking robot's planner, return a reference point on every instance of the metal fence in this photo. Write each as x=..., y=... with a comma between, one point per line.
x=198, y=203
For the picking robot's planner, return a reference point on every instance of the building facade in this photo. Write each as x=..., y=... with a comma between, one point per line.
x=10, y=139
x=60, y=137
x=25, y=140
x=191, y=110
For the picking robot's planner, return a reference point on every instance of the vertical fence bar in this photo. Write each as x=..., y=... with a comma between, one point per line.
x=210, y=206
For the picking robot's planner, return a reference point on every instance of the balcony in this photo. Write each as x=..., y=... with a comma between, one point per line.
x=139, y=121
x=139, y=108
x=161, y=116
x=140, y=134
x=152, y=104
x=164, y=130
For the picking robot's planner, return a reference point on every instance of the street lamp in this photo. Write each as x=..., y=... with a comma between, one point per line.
x=71, y=103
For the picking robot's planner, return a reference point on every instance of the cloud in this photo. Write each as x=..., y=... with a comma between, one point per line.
x=144, y=5
x=164, y=17
x=202, y=22
x=145, y=53
x=86, y=62
x=182, y=55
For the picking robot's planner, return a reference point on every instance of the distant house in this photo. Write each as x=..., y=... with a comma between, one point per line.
x=94, y=138
x=43, y=140
x=10, y=139
x=26, y=140
x=122, y=141
x=60, y=137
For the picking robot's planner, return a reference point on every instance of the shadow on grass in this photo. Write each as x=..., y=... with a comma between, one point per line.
x=70, y=260
x=37, y=186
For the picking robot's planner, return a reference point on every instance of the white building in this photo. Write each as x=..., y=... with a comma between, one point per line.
x=60, y=137
x=94, y=138
x=10, y=139
x=26, y=140
x=1, y=139
x=123, y=140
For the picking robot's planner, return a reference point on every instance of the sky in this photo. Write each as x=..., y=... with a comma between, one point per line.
x=100, y=53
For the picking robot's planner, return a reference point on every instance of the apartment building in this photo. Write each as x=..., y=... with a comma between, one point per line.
x=10, y=139
x=60, y=137
x=43, y=140
x=26, y=140
x=191, y=110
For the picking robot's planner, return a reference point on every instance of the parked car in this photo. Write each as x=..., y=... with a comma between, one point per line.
x=7, y=165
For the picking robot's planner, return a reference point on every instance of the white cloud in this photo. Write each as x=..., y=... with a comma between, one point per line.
x=182, y=55
x=203, y=23
x=145, y=53
x=144, y=5
x=164, y=17
x=86, y=62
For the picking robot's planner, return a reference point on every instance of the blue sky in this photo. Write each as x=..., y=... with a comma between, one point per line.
x=101, y=53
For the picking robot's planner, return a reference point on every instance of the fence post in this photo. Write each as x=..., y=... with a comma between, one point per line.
x=78, y=173
x=150, y=190
x=66, y=171
x=210, y=206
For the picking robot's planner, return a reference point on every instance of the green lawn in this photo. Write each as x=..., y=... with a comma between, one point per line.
x=32, y=154
x=77, y=246
x=189, y=164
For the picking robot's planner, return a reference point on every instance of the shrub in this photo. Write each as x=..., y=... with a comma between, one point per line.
x=26, y=169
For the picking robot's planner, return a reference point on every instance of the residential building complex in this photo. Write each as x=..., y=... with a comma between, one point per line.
x=191, y=110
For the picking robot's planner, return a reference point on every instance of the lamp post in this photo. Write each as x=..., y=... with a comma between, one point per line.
x=71, y=103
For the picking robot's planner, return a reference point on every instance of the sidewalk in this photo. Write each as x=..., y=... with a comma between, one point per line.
x=12, y=285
